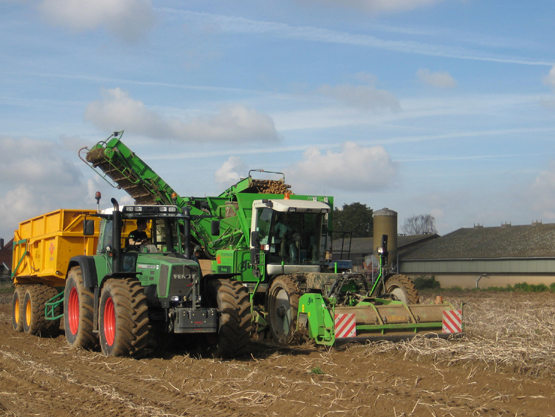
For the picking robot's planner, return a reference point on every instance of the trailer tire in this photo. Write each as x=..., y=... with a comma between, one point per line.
x=34, y=317
x=282, y=307
x=18, y=310
x=78, y=312
x=402, y=288
x=124, y=323
x=234, y=327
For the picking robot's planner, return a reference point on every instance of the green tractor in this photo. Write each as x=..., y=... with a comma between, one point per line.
x=124, y=293
x=275, y=243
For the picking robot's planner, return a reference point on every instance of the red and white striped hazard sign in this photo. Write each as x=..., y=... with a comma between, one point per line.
x=452, y=321
x=345, y=325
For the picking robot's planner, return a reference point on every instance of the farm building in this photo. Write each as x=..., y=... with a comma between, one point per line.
x=5, y=259
x=359, y=250
x=487, y=256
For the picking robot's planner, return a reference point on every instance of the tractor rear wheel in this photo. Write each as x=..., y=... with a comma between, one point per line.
x=234, y=328
x=124, y=324
x=18, y=303
x=78, y=312
x=402, y=288
x=282, y=307
x=34, y=317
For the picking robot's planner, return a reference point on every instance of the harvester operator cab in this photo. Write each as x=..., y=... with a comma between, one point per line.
x=289, y=232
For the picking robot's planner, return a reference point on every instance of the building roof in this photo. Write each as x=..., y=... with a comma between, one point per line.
x=491, y=242
x=364, y=245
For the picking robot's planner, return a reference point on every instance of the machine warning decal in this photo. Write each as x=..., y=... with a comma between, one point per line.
x=452, y=321
x=345, y=325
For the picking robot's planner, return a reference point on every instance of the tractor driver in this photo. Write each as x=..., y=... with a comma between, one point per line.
x=139, y=237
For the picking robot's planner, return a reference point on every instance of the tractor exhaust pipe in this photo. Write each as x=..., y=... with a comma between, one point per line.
x=116, y=237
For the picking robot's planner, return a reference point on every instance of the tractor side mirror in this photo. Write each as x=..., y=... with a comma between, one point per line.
x=88, y=227
x=215, y=228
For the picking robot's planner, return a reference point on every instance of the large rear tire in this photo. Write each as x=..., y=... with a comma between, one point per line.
x=283, y=306
x=234, y=329
x=34, y=317
x=18, y=303
x=78, y=312
x=402, y=288
x=124, y=324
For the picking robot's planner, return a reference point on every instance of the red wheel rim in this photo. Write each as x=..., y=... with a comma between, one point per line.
x=73, y=311
x=109, y=322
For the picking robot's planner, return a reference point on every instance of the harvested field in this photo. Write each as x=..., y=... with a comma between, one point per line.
x=503, y=367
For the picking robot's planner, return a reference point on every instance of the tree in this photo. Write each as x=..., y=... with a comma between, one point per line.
x=356, y=218
x=421, y=224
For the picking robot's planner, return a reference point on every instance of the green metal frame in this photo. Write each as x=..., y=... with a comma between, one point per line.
x=19, y=242
x=51, y=306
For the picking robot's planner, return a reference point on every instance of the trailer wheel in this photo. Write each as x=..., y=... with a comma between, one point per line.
x=402, y=288
x=235, y=325
x=78, y=312
x=124, y=324
x=283, y=306
x=18, y=303
x=34, y=318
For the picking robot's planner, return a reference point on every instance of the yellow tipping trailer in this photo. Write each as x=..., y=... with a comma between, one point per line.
x=42, y=249
x=44, y=245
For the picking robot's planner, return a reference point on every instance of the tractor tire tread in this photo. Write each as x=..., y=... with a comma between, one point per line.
x=85, y=337
x=38, y=295
x=132, y=322
x=233, y=301
x=406, y=284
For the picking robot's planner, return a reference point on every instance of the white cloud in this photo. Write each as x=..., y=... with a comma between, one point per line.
x=436, y=79
x=542, y=194
x=231, y=171
x=128, y=19
x=117, y=110
x=355, y=168
x=16, y=205
x=549, y=79
x=37, y=178
x=26, y=160
x=233, y=24
x=361, y=96
x=387, y=6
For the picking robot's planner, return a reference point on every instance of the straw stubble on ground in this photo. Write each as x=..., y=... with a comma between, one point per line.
x=503, y=367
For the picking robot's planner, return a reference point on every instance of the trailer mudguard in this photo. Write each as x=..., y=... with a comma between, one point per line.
x=88, y=269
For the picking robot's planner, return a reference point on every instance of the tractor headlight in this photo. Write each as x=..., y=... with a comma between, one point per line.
x=174, y=298
x=380, y=250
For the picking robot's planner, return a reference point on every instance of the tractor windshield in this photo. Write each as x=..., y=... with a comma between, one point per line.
x=161, y=235
x=290, y=238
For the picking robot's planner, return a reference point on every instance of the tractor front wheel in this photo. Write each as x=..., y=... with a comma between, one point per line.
x=124, y=324
x=282, y=306
x=234, y=329
x=78, y=312
x=402, y=288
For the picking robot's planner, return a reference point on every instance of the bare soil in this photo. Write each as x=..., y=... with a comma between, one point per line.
x=473, y=376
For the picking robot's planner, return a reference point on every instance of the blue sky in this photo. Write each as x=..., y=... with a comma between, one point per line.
x=422, y=106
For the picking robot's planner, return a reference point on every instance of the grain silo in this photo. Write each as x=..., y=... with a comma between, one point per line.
x=385, y=223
